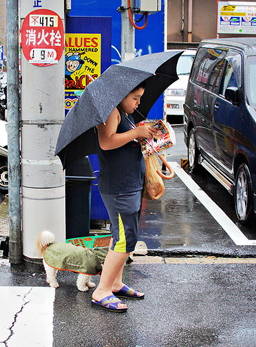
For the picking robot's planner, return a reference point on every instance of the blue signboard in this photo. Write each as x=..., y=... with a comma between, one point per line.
x=1, y=52
x=148, y=40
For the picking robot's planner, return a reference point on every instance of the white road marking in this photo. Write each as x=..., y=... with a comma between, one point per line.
x=224, y=221
x=26, y=316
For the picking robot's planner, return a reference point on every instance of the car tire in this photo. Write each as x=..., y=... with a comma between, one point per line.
x=192, y=151
x=3, y=178
x=243, y=194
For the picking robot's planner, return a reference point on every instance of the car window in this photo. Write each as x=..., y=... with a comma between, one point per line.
x=250, y=82
x=232, y=75
x=184, y=65
x=208, y=68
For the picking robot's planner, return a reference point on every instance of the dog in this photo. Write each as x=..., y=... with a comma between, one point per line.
x=65, y=256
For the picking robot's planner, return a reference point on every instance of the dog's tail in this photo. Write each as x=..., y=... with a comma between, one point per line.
x=44, y=239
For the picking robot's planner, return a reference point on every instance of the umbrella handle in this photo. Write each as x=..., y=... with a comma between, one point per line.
x=172, y=172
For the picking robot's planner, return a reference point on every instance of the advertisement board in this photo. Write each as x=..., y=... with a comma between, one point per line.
x=82, y=64
x=236, y=17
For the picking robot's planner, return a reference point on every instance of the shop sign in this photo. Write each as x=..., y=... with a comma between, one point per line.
x=236, y=17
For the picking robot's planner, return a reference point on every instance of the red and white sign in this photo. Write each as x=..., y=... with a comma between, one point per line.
x=42, y=37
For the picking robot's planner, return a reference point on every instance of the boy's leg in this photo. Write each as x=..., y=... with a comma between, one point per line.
x=113, y=264
x=123, y=212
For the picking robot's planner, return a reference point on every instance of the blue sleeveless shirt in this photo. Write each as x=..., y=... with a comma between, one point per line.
x=122, y=169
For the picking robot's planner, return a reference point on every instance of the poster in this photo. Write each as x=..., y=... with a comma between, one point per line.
x=236, y=17
x=82, y=64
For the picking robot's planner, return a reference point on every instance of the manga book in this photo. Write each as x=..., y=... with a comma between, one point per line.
x=164, y=139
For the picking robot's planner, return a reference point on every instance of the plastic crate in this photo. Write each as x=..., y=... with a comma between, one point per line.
x=91, y=241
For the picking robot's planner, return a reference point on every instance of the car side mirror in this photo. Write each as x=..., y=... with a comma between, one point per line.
x=233, y=95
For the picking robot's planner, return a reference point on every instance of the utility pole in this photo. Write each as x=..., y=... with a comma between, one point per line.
x=42, y=66
x=15, y=241
x=127, y=35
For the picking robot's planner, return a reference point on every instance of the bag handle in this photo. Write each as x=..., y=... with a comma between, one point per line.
x=172, y=172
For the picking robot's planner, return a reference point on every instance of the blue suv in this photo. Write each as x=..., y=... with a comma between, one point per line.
x=220, y=117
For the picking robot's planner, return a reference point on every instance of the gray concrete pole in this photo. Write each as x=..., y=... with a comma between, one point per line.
x=43, y=181
x=15, y=242
x=127, y=35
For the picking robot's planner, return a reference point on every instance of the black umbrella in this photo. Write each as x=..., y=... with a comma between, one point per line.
x=78, y=136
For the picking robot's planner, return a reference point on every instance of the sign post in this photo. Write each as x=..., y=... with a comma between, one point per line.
x=42, y=37
x=42, y=66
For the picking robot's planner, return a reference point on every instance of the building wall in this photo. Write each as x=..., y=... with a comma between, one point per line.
x=2, y=21
x=3, y=25
x=204, y=20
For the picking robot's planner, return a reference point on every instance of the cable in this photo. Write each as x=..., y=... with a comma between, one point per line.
x=130, y=15
x=140, y=19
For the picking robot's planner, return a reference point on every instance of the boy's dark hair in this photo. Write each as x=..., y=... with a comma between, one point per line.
x=141, y=85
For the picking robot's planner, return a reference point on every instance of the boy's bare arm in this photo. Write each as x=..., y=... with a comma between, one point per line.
x=110, y=139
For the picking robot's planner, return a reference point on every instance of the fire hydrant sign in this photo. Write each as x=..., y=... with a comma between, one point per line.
x=42, y=37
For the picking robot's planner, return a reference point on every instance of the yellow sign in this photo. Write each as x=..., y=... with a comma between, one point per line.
x=228, y=8
x=82, y=60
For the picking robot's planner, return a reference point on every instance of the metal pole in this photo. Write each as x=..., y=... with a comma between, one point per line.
x=43, y=181
x=190, y=20
x=15, y=246
x=127, y=35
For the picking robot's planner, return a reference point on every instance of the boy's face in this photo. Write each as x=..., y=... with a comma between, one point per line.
x=131, y=102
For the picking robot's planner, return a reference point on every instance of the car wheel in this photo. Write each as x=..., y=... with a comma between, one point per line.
x=192, y=151
x=243, y=194
x=3, y=178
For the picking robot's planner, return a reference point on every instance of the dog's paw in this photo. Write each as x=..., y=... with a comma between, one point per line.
x=82, y=288
x=54, y=284
x=91, y=284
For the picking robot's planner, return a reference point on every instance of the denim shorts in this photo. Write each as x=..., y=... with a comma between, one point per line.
x=123, y=210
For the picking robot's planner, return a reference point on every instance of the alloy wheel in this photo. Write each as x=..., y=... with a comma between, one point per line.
x=3, y=178
x=243, y=188
x=192, y=151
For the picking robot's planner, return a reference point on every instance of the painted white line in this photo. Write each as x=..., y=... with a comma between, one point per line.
x=26, y=314
x=224, y=221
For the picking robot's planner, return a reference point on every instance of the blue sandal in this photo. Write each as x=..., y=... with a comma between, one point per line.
x=126, y=292
x=109, y=303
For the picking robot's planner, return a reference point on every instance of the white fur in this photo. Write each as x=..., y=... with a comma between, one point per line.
x=83, y=282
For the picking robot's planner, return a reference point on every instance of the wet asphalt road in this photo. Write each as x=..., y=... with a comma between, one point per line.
x=186, y=305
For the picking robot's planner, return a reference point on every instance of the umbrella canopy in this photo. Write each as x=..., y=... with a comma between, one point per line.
x=77, y=136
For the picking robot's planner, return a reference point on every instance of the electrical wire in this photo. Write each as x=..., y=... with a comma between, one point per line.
x=140, y=19
x=130, y=15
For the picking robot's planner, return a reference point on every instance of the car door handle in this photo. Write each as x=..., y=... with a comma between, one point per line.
x=216, y=106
